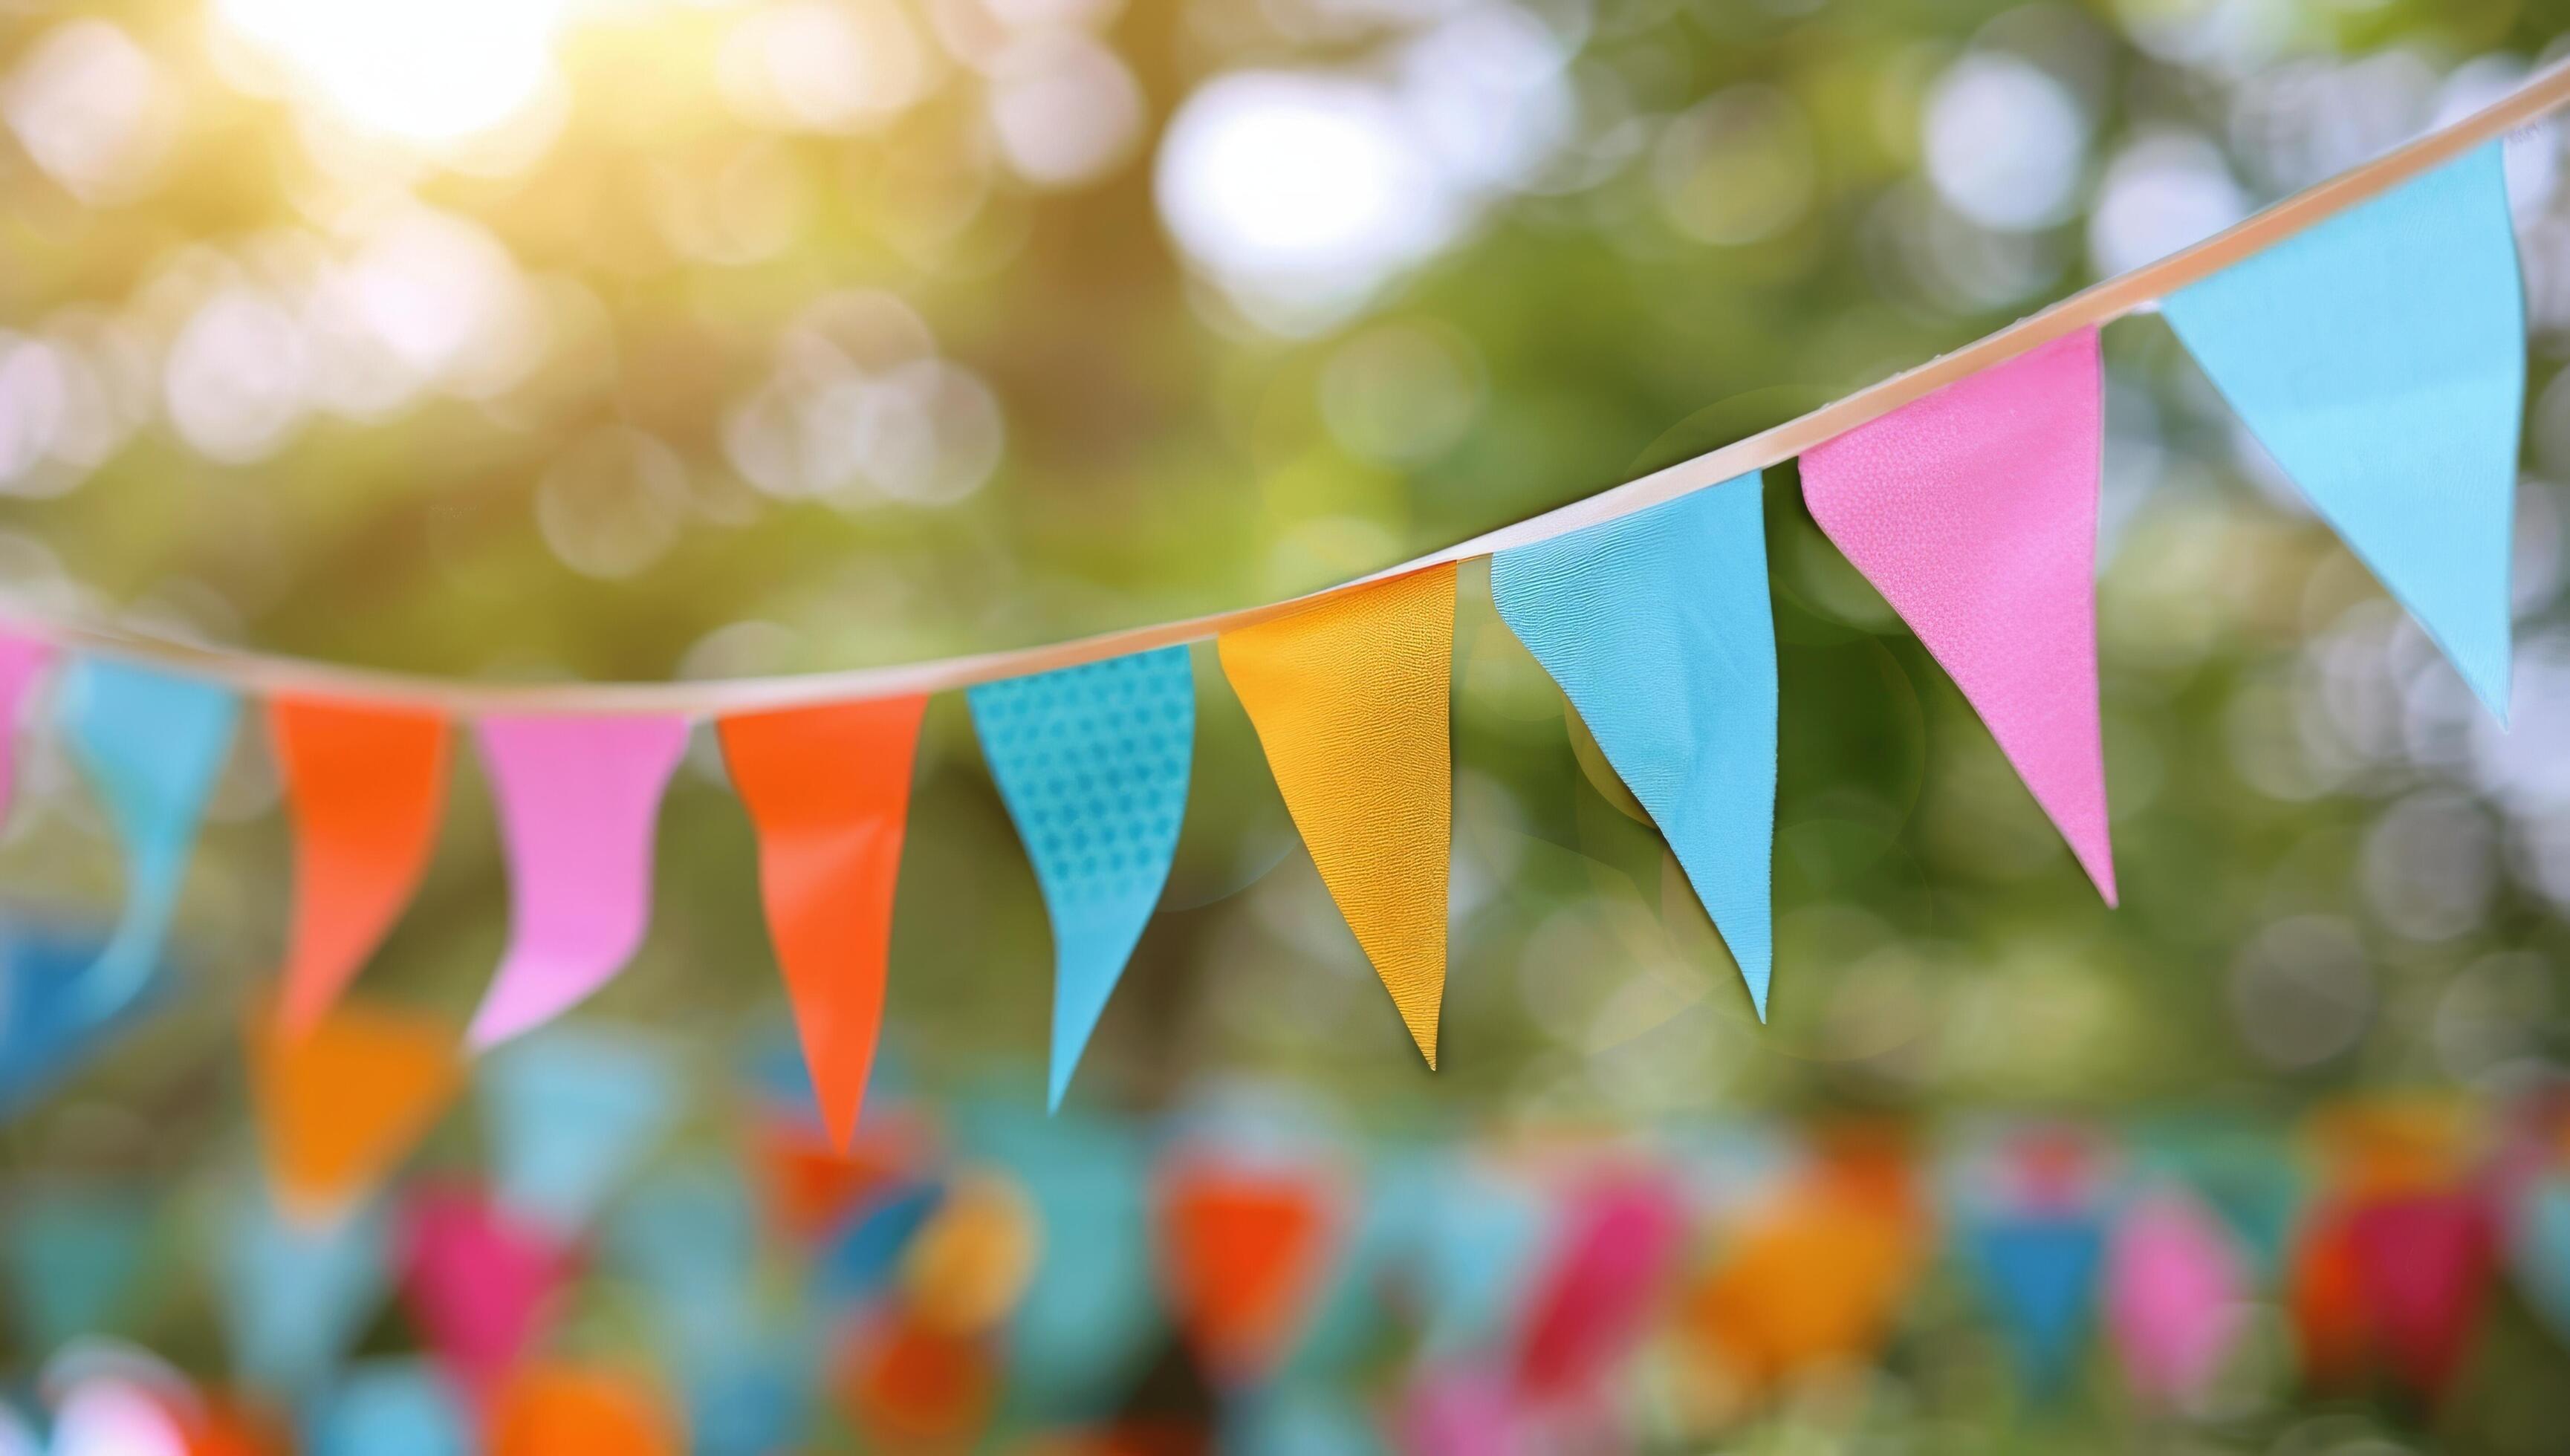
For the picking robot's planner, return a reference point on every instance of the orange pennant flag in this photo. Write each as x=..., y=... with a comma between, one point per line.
x=564, y=1410
x=1350, y=700
x=364, y=785
x=1243, y=1254
x=828, y=789
x=339, y=1105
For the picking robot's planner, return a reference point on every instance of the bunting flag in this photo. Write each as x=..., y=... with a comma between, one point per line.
x=1659, y=629
x=1350, y=698
x=75, y=1258
x=579, y=799
x=1093, y=763
x=341, y=1104
x=828, y=790
x=49, y=1026
x=23, y=659
x=152, y=745
x=295, y=1297
x=2039, y=1271
x=2422, y=1263
x=1593, y=1303
x=2177, y=1287
x=1973, y=511
x=2539, y=1245
x=1241, y=1253
x=364, y=785
x=392, y=1408
x=571, y=1112
x=562, y=1410
x=2379, y=357
x=480, y=1285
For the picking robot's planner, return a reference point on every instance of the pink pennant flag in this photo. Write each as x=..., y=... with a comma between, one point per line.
x=1973, y=511
x=2177, y=1287
x=480, y=1285
x=578, y=800
x=22, y=659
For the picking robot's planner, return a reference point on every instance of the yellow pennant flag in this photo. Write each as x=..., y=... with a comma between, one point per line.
x=1350, y=698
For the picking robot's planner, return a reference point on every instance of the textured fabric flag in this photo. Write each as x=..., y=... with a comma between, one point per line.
x=479, y=1283
x=2177, y=1285
x=23, y=659
x=1659, y=629
x=1973, y=511
x=1350, y=698
x=296, y=1298
x=152, y=745
x=828, y=789
x=2381, y=359
x=578, y=800
x=364, y=785
x=341, y=1104
x=570, y=1113
x=1093, y=763
x=2039, y=1271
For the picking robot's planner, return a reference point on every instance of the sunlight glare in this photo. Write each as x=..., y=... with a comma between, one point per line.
x=425, y=71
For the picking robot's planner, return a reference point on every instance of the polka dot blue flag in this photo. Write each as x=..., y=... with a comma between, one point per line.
x=1092, y=761
x=1659, y=629
x=2381, y=359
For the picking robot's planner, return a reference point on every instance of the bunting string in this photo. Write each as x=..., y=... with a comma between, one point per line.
x=2139, y=290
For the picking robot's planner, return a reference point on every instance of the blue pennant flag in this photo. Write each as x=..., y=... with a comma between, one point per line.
x=296, y=1298
x=74, y=1255
x=1092, y=761
x=572, y=1112
x=2040, y=1273
x=47, y=1028
x=152, y=745
x=2381, y=359
x=392, y=1408
x=1659, y=629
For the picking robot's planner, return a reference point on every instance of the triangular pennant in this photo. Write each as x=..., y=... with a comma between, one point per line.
x=74, y=1255
x=1659, y=629
x=341, y=1104
x=564, y=1410
x=480, y=1283
x=1593, y=1302
x=1093, y=763
x=828, y=789
x=2038, y=1270
x=391, y=1408
x=578, y=800
x=2177, y=1285
x=364, y=785
x=2423, y=1267
x=49, y=1026
x=1350, y=698
x=1973, y=511
x=2379, y=357
x=1243, y=1254
x=572, y=1111
x=295, y=1297
x=152, y=745
x=22, y=660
